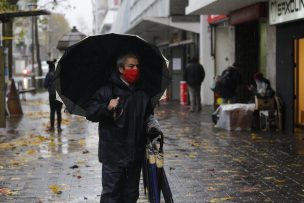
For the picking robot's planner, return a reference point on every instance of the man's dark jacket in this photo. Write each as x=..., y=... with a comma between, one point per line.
x=122, y=141
x=194, y=74
x=49, y=82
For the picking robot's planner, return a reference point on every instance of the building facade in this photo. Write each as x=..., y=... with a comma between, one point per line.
x=287, y=17
x=265, y=36
x=163, y=23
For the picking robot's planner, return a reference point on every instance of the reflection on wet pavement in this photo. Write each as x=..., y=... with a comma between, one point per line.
x=203, y=164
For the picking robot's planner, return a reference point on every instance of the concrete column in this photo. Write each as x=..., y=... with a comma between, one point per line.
x=271, y=55
x=2, y=91
x=207, y=61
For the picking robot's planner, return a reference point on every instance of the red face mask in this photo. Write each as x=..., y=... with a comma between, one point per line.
x=131, y=75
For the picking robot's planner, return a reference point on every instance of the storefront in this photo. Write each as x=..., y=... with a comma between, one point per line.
x=288, y=17
x=250, y=44
x=181, y=48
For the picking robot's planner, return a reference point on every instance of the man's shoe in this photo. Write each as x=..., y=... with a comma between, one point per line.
x=51, y=129
x=59, y=129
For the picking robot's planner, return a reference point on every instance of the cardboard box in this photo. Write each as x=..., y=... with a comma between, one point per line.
x=264, y=104
x=240, y=119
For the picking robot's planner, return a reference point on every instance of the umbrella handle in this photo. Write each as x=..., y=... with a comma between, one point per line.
x=159, y=138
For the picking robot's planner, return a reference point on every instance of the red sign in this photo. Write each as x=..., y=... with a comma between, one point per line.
x=213, y=19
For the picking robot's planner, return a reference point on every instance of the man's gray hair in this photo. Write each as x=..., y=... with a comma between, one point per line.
x=121, y=60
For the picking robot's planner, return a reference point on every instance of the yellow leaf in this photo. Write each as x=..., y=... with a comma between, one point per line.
x=221, y=199
x=41, y=138
x=14, y=163
x=52, y=144
x=269, y=178
x=81, y=162
x=31, y=152
x=82, y=142
x=55, y=189
x=195, y=143
x=6, y=146
x=193, y=155
x=279, y=181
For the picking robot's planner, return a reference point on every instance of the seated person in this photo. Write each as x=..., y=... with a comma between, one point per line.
x=262, y=87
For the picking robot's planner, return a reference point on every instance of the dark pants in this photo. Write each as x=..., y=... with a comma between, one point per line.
x=195, y=98
x=55, y=106
x=120, y=184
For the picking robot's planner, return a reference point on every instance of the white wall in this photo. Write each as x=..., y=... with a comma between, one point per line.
x=207, y=61
x=224, y=49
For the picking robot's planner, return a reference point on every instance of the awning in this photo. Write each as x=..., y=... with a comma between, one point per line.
x=223, y=7
x=159, y=28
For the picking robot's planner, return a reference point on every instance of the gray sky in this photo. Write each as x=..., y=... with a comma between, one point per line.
x=79, y=13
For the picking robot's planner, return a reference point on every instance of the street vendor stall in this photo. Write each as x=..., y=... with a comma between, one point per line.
x=235, y=116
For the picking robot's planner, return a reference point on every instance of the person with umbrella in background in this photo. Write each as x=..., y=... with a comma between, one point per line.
x=55, y=105
x=125, y=115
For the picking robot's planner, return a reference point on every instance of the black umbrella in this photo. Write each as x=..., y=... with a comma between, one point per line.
x=88, y=64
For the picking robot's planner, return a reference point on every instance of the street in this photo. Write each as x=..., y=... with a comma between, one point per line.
x=203, y=164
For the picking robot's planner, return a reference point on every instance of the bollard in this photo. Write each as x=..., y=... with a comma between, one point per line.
x=13, y=101
x=183, y=93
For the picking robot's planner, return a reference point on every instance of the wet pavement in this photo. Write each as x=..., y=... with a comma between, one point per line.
x=203, y=164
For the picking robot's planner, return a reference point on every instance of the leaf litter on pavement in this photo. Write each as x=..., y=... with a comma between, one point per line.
x=6, y=192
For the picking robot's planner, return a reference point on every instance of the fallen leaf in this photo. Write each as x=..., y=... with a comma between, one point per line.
x=31, y=152
x=6, y=192
x=55, y=189
x=212, y=189
x=195, y=143
x=193, y=155
x=82, y=142
x=221, y=199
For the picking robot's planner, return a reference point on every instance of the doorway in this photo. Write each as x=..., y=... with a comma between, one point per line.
x=299, y=83
x=247, y=38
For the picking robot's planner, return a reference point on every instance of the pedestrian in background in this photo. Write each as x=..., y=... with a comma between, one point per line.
x=125, y=115
x=55, y=105
x=194, y=75
x=228, y=83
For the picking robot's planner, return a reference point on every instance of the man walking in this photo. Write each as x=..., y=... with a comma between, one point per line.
x=194, y=75
x=55, y=105
x=125, y=115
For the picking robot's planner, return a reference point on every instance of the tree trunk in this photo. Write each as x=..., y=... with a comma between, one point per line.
x=7, y=43
x=37, y=45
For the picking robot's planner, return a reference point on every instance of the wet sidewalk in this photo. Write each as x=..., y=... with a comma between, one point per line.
x=203, y=164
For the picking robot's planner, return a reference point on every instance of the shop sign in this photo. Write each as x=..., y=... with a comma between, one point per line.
x=281, y=11
x=213, y=19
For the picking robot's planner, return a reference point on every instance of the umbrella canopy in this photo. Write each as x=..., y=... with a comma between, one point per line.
x=69, y=39
x=87, y=65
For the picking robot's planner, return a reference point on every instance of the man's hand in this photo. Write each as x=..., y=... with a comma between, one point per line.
x=113, y=104
x=154, y=133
